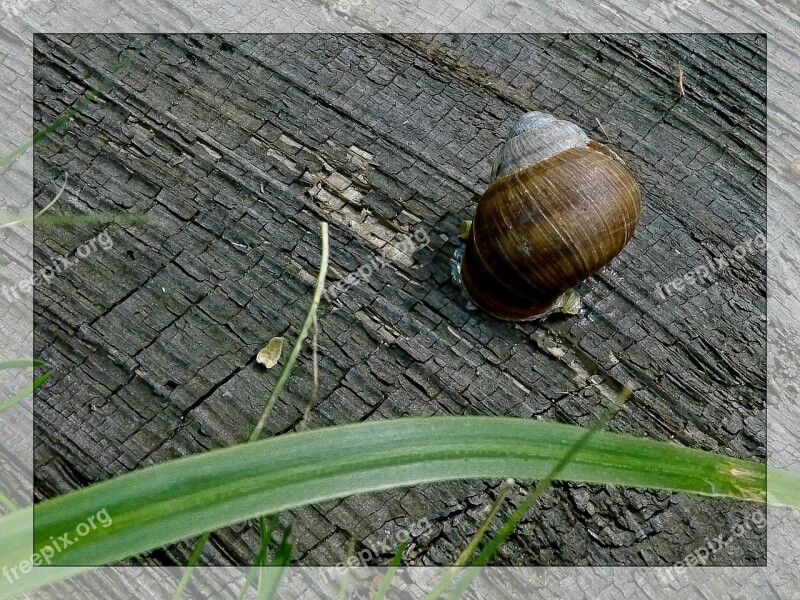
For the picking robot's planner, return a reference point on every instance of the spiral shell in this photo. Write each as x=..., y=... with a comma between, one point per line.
x=559, y=207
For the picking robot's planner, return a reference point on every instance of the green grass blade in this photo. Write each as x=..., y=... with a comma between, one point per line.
x=543, y=485
x=262, y=558
x=783, y=488
x=248, y=581
x=75, y=219
x=284, y=376
x=298, y=344
x=187, y=572
x=179, y=499
x=20, y=363
x=269, y=581
x=87, y=99
x=386, y=583
x=24, y=392
x=270, y=576
x=351, y=551
x=467, y=553
x=15, y=551
x=263, y=553
x=6, y=502
x=283, y=553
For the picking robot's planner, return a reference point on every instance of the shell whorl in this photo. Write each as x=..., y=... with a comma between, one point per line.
x=558, y=208
x=535, y=137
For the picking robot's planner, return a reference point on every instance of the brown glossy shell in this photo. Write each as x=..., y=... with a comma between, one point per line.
x=540, y=230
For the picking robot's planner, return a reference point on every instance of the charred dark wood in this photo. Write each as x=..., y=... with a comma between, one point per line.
x=234, y=147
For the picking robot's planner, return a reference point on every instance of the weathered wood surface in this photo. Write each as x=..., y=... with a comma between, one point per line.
x=218, y=140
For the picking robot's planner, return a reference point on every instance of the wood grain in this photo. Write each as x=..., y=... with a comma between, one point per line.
x=234, y=147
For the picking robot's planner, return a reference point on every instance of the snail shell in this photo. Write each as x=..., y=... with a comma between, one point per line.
x=559, y=207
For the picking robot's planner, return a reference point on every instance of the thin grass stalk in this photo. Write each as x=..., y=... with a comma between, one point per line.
x=311, y=317
x=307, y=323
x=24, y=392
x=386, y=583
x=193, y=560
x=510, y=524
x=467, y=553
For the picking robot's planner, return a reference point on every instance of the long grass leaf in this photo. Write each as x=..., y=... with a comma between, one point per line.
x=783, y=487
x=15, y=552
x=283, y=553
x=87, y=99
x=544, y=484
x=467, y=553
x=164, y=503
x=262, y=558
x=269, y=581
x=270, y=576
x=75, y=219
x=181, y=498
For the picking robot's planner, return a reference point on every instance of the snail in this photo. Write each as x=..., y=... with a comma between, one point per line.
x=559, y=206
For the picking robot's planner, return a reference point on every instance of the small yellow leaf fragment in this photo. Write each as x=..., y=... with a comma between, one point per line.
x=271, y=353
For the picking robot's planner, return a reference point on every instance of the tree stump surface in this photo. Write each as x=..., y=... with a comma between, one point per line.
x=234, y=147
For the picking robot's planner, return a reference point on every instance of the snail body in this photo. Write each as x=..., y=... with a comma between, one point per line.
x=559, y=207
